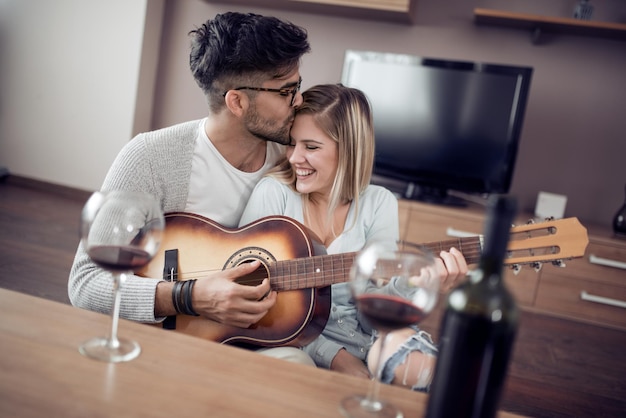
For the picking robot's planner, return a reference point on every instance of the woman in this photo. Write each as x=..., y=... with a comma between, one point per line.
x=324, y=183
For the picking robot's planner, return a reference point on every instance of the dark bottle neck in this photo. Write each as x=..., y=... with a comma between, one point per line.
x=490, y=267
x=501, y=211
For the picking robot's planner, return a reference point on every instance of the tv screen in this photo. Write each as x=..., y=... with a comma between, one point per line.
x=441, y=125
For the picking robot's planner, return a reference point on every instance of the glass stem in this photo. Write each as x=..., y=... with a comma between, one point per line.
x=373, y=393
x=115, y=314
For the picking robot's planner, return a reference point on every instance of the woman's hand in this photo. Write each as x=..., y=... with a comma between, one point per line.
x=451, y=267
x=345, y=362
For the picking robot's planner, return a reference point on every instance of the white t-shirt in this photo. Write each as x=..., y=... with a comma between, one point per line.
x=223, y=197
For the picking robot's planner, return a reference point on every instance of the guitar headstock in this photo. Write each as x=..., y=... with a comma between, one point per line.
x=546, y=241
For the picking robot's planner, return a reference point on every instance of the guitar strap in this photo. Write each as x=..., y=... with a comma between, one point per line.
x=170, y=273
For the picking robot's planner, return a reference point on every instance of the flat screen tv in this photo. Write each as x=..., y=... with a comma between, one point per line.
x=441, y=125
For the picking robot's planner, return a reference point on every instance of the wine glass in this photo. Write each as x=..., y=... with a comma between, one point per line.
x=393, y=289
x=121, y=231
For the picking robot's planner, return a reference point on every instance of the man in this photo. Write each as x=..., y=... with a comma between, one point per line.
x=247, y=65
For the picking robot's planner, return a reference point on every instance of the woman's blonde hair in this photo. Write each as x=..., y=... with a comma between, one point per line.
x=344, y=114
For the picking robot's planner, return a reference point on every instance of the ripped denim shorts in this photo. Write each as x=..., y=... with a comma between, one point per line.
x=420, y=341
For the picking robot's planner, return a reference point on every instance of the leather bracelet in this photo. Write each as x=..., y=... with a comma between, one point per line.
x=181, y=297
x=187, y=298
x=176, y=291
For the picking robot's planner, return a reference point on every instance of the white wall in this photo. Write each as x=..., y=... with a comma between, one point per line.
x=81, y=77
x=572, y=141
x=69, y=72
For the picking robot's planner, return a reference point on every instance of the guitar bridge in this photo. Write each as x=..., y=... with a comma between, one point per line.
x=170, y=273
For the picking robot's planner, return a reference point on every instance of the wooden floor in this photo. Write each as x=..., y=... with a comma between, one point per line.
x=560, y=368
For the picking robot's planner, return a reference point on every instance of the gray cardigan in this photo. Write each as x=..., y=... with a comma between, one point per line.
x=159, y=163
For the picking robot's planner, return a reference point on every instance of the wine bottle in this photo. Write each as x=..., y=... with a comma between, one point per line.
x=478, y=329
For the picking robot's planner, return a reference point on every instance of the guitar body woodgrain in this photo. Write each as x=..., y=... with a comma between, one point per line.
x=205, y=247
x=301, y=272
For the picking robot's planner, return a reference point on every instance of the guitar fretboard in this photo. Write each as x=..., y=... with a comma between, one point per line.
x=325, y=270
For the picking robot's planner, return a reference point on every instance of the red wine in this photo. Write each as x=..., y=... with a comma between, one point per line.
x=478, y=330
x=387, y=313
x=118, y=258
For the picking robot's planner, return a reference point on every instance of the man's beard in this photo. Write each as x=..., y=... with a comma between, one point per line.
x=266, y=130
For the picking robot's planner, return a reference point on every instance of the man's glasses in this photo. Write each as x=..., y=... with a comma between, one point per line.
x=286, y=91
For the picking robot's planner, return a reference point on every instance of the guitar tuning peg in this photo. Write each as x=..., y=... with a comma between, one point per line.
x=549, y=218
x=537, y=267
x=516, y=268
x=530, y=221
x=558, y=263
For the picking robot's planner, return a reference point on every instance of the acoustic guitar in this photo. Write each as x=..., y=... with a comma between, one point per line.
x=298, y=268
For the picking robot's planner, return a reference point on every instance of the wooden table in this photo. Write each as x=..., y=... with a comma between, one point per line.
x=43, y=374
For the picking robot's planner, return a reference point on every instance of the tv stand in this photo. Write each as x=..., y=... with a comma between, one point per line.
x=433, y=195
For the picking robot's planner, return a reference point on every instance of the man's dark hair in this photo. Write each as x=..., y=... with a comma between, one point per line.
x=239, y=47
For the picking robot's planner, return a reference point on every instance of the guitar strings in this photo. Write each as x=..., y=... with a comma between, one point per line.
x=311, y=269
x=470, y=247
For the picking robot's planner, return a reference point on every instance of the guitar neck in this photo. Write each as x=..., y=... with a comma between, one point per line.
x=325, y=270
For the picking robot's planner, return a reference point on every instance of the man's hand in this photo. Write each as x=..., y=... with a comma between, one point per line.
x=221, y=299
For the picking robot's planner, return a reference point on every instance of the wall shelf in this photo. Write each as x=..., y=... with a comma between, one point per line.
x=400, y=11
x=560, y=25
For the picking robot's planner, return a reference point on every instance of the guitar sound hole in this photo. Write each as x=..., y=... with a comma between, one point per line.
x=247, y=255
